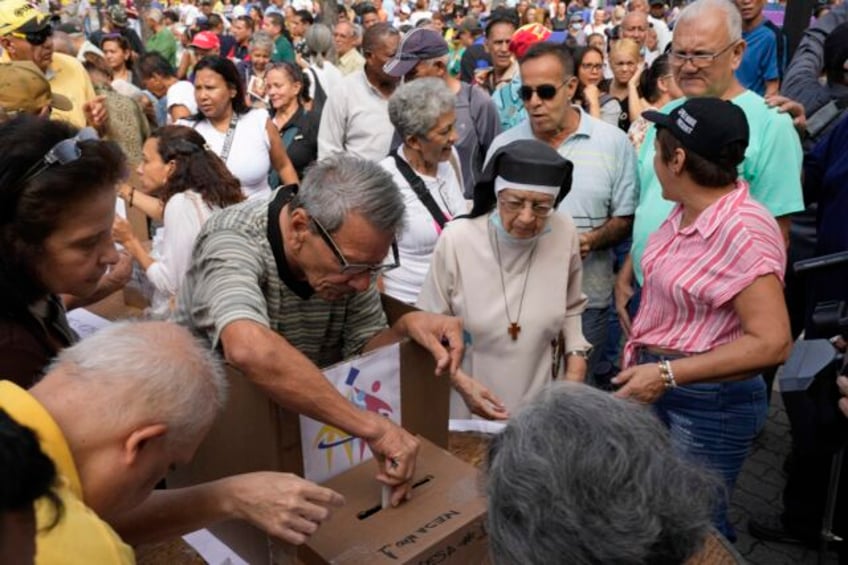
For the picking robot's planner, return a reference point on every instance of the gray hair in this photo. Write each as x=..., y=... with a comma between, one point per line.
x=340, y=185
x=416, y=106
x=149, y=370
x=62, y=43
x=261, y=40
x=319, y=41
x=154, y=14
x=698, y=9
x=580, y=476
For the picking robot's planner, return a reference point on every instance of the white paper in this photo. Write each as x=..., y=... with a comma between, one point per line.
x=85, y=323
x=120, y=208
x=371, y=382
x=482, y=426
x=211, y=549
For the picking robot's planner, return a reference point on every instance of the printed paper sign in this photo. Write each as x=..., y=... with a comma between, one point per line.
x=371, y=382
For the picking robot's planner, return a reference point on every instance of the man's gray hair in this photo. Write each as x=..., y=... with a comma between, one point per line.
x=148, y=371
x=579, y=476
x=340, y=185
x=698, y=9
x=261, y=40
x=416, y=106
x=319, y=41
x=154, y=14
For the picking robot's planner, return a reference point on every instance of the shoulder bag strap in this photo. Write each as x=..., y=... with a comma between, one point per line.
x=228, y=141
x=420, y=190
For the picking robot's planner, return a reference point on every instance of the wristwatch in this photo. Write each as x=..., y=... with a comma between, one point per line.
x=584, y=353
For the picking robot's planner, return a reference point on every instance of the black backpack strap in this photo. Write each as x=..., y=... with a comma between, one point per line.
x=420, y=190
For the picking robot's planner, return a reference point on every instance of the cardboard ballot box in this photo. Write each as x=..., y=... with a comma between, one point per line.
x=256, y=434
x=442, y=523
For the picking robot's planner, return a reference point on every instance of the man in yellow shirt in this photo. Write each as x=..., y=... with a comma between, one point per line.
x=26, y=35
x=114, y=420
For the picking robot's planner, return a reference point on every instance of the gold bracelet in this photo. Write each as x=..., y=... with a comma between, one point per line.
x=667, y=374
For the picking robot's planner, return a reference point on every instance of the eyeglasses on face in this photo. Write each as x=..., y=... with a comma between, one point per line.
x=516, y=205
x=543, y=91
x=349, y=268
x=591, y=66
x=35, y=38
x=699, y=60
x=64, y=152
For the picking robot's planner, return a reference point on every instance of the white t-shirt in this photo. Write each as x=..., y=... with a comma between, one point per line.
x=181, y=93
x=421, y=232
x=185, y=213
x=329, y=76
x=249, y=159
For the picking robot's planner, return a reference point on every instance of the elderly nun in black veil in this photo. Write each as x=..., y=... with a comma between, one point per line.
x=511, y=270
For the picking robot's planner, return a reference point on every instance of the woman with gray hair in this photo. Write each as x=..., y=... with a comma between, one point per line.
x=579, y=476
x=320, y=62
x=260, y=48
x=426, y=169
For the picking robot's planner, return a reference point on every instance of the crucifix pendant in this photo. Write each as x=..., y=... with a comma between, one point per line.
x=513, y=330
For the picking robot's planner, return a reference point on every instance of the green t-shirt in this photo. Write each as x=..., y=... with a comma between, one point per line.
x=283, y=50
x=164, y=43
x=772, y=167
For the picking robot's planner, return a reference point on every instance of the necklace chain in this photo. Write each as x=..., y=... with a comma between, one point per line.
x=514, y=327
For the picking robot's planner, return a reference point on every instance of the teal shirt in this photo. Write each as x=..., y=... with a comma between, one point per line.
x=164, y=43
x=283, y=50
x=772, y=167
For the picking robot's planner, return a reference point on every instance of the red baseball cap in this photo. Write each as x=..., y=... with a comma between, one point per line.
x=206, y=40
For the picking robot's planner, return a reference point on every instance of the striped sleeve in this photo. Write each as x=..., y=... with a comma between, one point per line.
x=227, y=288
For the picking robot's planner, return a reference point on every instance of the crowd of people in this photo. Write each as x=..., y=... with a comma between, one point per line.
x=566, y=191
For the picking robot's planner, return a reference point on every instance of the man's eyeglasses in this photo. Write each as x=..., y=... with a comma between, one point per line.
x=349, y=268
x=64, y=152
x=699, y=60
x=515, y=205
x=543, y=91
x=35, y=37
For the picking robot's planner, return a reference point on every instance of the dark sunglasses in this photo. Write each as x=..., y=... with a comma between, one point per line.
x=349, y=268
x=35, y=37
x=64, y=152
x=543, y=91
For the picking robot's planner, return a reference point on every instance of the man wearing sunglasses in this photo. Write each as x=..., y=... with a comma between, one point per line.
x=288, y=285
x=604, y=188
x=26, y=35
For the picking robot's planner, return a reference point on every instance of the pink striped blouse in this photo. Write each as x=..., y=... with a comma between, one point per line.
x=693, y=274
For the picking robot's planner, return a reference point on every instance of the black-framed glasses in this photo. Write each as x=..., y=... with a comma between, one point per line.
x=543, y=91
x=36, y=38
x=699, y=60
x=64, y=152
x=516, y=205
x=349, y=268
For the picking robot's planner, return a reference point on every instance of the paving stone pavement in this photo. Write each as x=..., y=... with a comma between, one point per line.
x=758, y=493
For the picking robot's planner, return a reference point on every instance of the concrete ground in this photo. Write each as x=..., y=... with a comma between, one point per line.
x=758, y=493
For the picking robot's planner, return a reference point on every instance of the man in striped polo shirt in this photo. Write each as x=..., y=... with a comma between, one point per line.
x=288, y=285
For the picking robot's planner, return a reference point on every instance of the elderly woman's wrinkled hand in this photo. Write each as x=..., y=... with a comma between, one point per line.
x=479, y=399
x=642, y=382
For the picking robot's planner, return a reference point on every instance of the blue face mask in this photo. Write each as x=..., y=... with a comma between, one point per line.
x=503, y=235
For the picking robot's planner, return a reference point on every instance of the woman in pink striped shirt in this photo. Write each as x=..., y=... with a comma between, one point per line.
x=712, y=313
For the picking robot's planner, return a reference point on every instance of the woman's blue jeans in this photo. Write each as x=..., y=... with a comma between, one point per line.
x=714, y=424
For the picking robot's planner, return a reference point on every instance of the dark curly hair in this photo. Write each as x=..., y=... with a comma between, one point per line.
x=32, y=209
x=197, y=167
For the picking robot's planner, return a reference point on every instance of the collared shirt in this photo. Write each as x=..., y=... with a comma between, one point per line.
x=693, y=273
x=357, y=123
x=351, y=62
x=772, y=166
x=239, y=272
x=604, y=185
x=69, y=78
x=80, y=536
